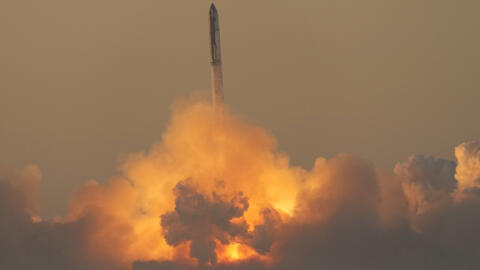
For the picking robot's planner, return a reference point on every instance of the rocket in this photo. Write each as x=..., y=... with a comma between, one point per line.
x=216, y=60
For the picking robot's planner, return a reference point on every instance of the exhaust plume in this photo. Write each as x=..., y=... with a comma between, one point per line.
x=184, y=204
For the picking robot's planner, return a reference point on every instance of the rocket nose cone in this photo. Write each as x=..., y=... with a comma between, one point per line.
x=213, y=9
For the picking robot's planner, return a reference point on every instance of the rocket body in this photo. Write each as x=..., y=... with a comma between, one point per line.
x=216, y=60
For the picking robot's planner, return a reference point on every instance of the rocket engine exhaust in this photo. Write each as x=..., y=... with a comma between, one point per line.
x=216, y=60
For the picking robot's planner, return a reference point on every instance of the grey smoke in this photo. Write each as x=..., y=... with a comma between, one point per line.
x=202, y=220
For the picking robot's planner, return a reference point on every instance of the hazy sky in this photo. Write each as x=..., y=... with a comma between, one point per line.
x=84, y=81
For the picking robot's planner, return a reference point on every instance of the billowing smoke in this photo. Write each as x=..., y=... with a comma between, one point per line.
x=202, y=220
x=217, y=194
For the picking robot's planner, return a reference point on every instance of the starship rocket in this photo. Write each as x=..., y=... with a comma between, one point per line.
x=216, y=60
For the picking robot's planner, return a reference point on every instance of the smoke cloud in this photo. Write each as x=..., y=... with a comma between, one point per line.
x=202, y=220
x=218, y=194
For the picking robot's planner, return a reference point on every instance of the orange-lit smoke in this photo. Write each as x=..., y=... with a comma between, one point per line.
x=216, y=192
x=218, y=159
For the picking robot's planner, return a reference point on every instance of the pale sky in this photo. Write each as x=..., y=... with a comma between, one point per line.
x=84, y=81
